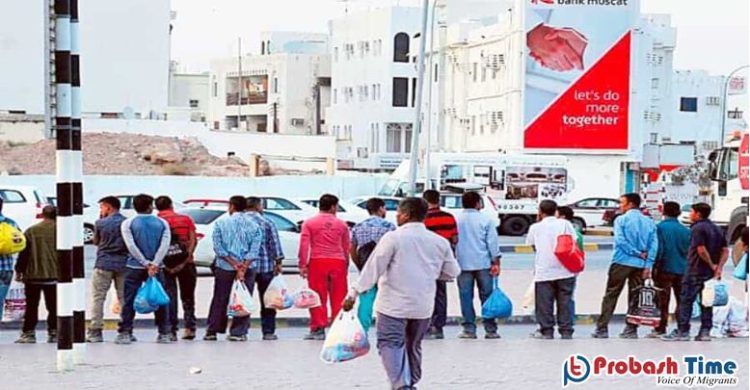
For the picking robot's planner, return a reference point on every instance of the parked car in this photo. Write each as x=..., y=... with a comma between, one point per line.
x=22, y=204
x=346, y=211
x=205, y=218
x=590, y=211
x=290, y=209
x=611, y=215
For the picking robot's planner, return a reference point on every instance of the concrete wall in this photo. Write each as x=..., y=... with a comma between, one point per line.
x=22, y=131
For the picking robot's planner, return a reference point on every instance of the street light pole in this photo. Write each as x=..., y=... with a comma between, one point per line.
x=724, y=101
x=428, y=131
x=416, y=129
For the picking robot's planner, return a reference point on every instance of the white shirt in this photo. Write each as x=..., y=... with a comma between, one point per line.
x=543, y=235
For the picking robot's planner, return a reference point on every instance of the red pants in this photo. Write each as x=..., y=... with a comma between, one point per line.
x=328, y=278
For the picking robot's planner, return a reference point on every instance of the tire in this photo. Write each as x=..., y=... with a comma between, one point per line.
x=579, y=224
x=515, y=225
x=737, y=222
x=88, y=234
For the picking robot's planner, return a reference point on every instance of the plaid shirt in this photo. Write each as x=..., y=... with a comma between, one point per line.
x=270, y=249
x=6, y=261
x=238, y=237
x=371, y=229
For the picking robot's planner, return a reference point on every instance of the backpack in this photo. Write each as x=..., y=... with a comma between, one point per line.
x=177, y=253
x=363, y=253
x=12, y=240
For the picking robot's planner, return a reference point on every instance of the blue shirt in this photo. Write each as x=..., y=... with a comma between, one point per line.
x=6, y=261
x=705, y=233
x=239, y=237
x=147, y=238
x=270, y=248
x=478, y=244
x=674, y=241
x=111, y=251
x=635, y=234
x=370, y=230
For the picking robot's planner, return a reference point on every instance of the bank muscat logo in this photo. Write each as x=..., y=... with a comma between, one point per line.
x=695, y=370
x=543, y=1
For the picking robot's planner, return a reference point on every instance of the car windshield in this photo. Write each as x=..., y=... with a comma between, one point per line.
x=203, y=216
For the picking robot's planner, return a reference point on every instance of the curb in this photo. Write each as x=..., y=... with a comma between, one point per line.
x=588, y=247
x=598, y=232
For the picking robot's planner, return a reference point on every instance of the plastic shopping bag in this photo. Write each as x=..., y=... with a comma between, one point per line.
x=346, y=339
x=645, y=310
x=740, y=271
x=14, y=306
x=277, y=295
x=12, y=240
x=529, y=298
x=737, y=321
x=241, y=302
x=696, y=310
x=497, y=305
x=306, y=298
x=150, y=296
x=719, y=318
x=569, y=254
x=715, y=293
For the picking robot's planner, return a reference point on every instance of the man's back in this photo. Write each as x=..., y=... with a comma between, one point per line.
x=146, y=232
x=324, y=236
x=705, y=233
x=41, y=263
x=477, y=241
x=181, y=225
x=543, y=235
x=674, y=242
x=635, y=234
x=442, y=223
x=111, y=252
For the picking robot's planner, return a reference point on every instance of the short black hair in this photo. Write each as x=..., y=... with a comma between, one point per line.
x=633, y=198
x=672, y=209
x=253, y=203
x=744, y=234
x=548, y=207
x=566, y=212
x=238, y=202
x=327, y=201
x=431, y=196
x=374, y=204
x=142, y=202
x=163, y=203
x=49, y=212
x=415, y=208
x=111, y=201
x=470, y=199
x=703, y=209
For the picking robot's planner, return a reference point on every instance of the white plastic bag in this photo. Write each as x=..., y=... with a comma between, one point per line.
x=306, y=298
x=715, y=293
x=277, y=295
x=720, y=315
x=14, y=306
x=241, y=302
x=529, y=298
x=737, y=321
x=346, y=339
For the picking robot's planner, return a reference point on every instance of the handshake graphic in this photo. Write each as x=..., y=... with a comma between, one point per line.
x=558, y=49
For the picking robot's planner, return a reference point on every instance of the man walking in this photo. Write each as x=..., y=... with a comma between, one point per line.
x=237, y=243
x=323, y=260
x=185, y=274
x=6, y=262
x=707, y=255
x=635, y=247
x=405, y=265
x=111, y=256
x=365, y=236
x=147, y=238
x=670, y=264
x=478, y=253
x=444, y=225
x=268, y=265
x=554, y=284
x=37, y=269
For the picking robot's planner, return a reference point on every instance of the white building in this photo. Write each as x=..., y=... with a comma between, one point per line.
x=282, y=92
x=188, y=95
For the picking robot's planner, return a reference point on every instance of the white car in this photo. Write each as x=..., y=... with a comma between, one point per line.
x=290, y=209
x=23, y=204
x=206, y=217
x=590, y=211
x=346, y=211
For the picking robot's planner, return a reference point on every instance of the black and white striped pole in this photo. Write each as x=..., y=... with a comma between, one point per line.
x=65, y=177
x=79, y=282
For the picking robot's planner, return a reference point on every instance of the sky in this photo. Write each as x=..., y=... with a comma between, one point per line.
x=714, y=38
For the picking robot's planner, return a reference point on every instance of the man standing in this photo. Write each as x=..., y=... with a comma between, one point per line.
x=444, y=225
x=365, y=236
x=147, y=238
x=37, y=269
x=237, y=243
x=554, y=284
x=268, y=265
x=706, y=258
x=6, y=262
x=405, y=265
x=670, y=264
x=185, y=274
x=111, y=256
x=478, y=253
x=323, y=260
x=635, y=249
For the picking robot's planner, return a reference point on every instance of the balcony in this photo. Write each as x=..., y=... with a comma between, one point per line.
x=254, y=98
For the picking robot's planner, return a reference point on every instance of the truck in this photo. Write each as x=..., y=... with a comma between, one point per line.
x=729, y=195
x=517, y=182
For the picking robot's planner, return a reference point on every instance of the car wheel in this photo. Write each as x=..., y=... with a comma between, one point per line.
x=88, y=234
x=515, y=225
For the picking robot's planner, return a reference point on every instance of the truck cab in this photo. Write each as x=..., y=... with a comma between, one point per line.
x=729, y=172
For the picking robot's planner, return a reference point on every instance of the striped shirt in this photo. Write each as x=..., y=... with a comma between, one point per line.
x=6, y=261
x=239, y=237
x=442, y=223
x=370, y=230
x=270, y=249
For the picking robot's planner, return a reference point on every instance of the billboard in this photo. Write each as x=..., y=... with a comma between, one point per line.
x=577, y=73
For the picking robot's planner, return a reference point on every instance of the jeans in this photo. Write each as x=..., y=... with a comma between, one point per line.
x=5, y=278
x=400, y=347
x=466, y=281
x=33, y=297
x=187, y=279
x=267, y=316
x=134, y=278
x=217, y=314
x=692, y=287
x=366, y=304
x=549, y=293
x=667, y=282
x=101, y=281
x=327, y=277
x=618, y=275
x=440, y=313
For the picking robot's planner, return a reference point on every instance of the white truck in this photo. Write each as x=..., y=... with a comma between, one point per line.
x=516, y=182
x=729, y=171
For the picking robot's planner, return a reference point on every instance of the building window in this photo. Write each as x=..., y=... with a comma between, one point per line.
x=689, y=104
x=481, y=123
x=413, y=91
x=436, y=73
x=474, y=125
x=262, y=47
x=193, y=103
x=654, y=138
x=275, y=85
x=393, y=138
x=335, y=96
x=474, y=72
x=713, y=101
x=336, y=53
x=655, y=83
x=400, y=91
x=735, y=114
x=407, y=138
x=216, y=89
x=484, y=74
x=401, y=47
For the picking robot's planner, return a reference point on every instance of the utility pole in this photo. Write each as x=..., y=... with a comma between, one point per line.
x=413, y=163
x=239, y=83
x=428, y=149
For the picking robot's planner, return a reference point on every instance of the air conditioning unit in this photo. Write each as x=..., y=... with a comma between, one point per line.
x=298, y=122
x=496, y=117
x=362, y=153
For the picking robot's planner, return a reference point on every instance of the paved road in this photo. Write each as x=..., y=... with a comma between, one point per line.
x=512, y=363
